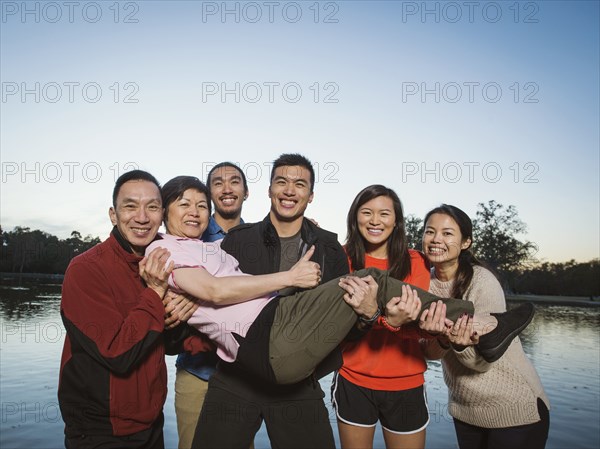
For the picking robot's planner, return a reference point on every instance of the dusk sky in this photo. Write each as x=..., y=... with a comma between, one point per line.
x=445, y=102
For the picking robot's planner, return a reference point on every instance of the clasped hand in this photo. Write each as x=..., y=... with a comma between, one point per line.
x=403, y=309
x=460, y=334
x=178, y=308
x=361, y=294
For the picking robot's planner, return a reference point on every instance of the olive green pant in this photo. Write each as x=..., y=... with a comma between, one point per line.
x=310, y=324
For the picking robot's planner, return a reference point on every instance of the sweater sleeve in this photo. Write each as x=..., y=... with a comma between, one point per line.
x=94, y=324
x=487, y=296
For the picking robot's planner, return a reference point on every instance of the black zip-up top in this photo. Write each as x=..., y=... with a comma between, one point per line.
x=257, y=248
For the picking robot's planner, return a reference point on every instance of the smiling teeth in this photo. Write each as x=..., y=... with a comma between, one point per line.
x=436, y=250
x=228, y=201
x=288, y=203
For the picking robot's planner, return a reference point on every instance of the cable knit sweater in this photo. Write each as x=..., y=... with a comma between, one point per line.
x=500, y=394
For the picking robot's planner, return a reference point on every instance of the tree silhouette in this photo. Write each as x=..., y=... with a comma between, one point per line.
x=33, y=251
x=414, y=231
x=496, y=231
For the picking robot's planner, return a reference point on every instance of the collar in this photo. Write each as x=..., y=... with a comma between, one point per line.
x=124, y=245
x=214, y=228
x=307, y=232
x=123, y=250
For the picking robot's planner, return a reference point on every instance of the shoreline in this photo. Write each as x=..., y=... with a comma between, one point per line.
x=555, y=300
x=538, y=299
x=28, y=276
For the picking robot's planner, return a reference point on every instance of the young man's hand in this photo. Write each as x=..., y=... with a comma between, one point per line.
x=178, y=308
x=305, y=274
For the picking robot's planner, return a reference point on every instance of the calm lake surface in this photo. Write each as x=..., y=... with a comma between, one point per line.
x=563, y=343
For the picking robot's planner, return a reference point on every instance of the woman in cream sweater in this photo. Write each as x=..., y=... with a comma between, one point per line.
x=494, y=405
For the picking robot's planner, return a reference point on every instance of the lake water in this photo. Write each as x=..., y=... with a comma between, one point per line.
x=563, y=343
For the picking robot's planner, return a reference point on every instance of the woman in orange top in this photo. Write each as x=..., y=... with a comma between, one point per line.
x=382, y=375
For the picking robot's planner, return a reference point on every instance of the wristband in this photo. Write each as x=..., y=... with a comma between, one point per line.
x=370, y=321
x=388, y=326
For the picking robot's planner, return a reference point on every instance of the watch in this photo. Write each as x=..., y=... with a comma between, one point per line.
x=370, y=321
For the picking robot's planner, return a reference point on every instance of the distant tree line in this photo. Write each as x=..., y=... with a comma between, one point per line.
x=497, y=243
x=34, y=251
x=567, y=279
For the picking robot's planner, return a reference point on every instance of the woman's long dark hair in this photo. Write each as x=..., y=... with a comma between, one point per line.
x=466, y=259
x=397, y=245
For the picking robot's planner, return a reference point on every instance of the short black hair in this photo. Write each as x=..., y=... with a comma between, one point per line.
x=227, y=164
x=292, y=159
x=133, y=175
x=174, y=189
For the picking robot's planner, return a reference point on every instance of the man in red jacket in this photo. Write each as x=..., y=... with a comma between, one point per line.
x=113, y=377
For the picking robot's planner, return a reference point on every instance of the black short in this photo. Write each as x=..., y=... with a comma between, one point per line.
x=401, y=412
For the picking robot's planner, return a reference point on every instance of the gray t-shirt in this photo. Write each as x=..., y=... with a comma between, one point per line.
x=290, y=254
x=290, y=251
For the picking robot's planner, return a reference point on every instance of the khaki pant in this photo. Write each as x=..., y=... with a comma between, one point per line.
x=189, y=397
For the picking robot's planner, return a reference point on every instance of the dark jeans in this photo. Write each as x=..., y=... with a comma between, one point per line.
x=151, y=438
x=529, y=436
x=230, y=421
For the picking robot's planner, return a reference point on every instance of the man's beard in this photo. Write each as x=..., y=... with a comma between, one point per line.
x=229, y=215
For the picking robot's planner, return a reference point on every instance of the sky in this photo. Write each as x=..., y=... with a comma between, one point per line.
x=445, y=102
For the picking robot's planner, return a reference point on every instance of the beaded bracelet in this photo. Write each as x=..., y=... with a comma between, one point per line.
x=388, y=326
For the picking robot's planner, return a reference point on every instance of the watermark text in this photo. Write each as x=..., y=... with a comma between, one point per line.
x=469, y=92
x=469, y=172
x=66, y=171
x=470, y=12
x=270, y=12
x=70, y=12
x=69, y=92
x=269, y=92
